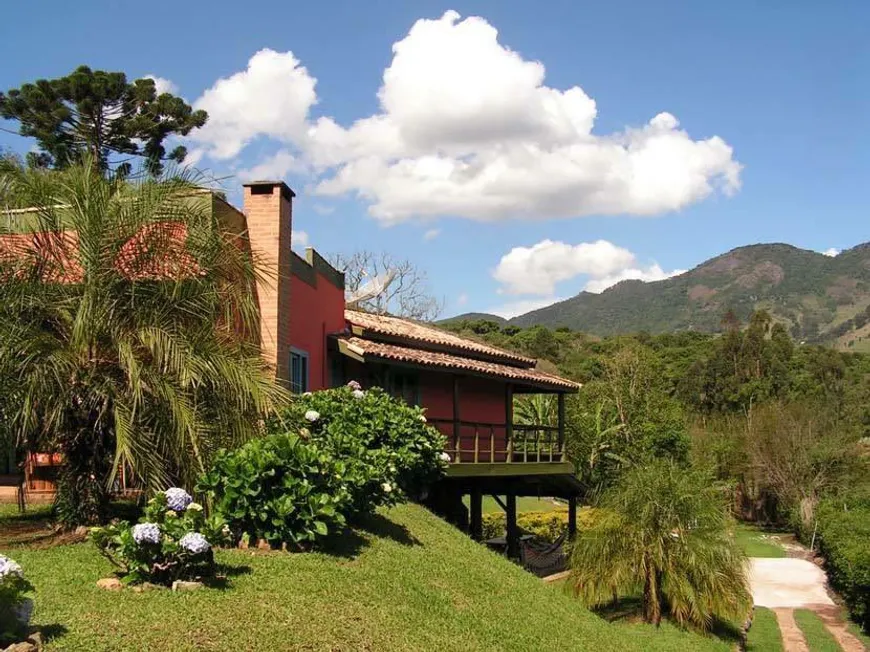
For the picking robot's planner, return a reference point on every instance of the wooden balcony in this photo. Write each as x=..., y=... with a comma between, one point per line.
x=503, y=449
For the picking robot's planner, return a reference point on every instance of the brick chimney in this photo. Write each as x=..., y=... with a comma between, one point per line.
x=269, y=211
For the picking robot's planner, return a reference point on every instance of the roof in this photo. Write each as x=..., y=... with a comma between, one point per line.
x=366, y=350
x=364, y=324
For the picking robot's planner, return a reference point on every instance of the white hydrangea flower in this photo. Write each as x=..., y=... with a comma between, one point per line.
x=444, y=457
x=194, y=543
x=358, y=393
x=312, y=415
x=196, y=507
x=422, y=418
x=387, y=487
x=9, y=567
x=306, y=394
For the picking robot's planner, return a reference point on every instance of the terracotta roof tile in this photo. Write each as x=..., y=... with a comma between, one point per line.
x=368, y=349
x=424, y=333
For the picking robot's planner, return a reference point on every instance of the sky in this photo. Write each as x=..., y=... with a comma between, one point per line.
x=518, y=153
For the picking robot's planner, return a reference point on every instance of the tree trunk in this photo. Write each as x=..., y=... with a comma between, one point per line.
x=652, y=607
x=82, y=494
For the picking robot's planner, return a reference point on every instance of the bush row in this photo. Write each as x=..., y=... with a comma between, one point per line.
x=843, y=538
x=329, y=458
x=547, y=526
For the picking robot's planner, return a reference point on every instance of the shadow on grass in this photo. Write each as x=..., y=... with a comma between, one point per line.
x=630, y=610
x=51, y=632
x=349, y=543
x=224, y=573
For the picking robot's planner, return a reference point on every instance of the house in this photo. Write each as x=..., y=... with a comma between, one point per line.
x=467, y=388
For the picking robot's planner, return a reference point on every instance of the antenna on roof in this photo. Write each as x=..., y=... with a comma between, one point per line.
x=370, y=289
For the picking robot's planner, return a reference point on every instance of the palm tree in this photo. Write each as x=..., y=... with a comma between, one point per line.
x=664, y=535
x=535, y=410
x=123, y=321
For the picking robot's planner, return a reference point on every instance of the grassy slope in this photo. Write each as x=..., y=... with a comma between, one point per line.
x=764, y=635
x=818, y=638
x=408, y=581
x=754, y=543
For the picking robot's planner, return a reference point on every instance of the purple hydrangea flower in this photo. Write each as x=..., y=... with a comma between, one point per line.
x=354, y=385
x=194, y=543
x=146, y=533
x=8, y=568
x=177, y=499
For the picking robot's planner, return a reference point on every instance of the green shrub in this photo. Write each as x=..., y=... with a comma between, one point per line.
x=389, y=452
x=843, y=539
x=547, y=526
x=13, y=590
x=279, y=489
x=172, y=541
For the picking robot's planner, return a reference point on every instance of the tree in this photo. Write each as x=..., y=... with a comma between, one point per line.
x=664, y=532
x=385, y=285
x=126, y=345
x=99, y=114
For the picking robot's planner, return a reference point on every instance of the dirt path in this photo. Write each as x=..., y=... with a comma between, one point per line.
x=792, y=637
x=833, y=621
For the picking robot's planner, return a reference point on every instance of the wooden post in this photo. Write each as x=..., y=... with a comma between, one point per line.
x=509, y=420
x=457, y=427
x=561, y=426
x=572, y=517
x=513, y=532
x=476, y=509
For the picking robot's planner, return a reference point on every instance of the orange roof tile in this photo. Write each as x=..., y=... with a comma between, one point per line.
x=368, y=324
x=367, y=349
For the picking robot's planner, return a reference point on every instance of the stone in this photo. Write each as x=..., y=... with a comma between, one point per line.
x=179, y=585
x=36, y=639
x=110, y=584
x=24, y=646
x=147, y=586
x=82, y=530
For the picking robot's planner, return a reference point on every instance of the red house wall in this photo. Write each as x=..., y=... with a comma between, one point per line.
x=317, y=312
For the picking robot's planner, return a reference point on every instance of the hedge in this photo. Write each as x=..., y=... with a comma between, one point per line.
x=547, y=526
x=843, y=539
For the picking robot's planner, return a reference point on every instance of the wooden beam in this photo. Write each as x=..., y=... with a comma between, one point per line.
x=572, y=517
x=562, y=425
x=500, y=502
x=468, y=470
x=457, y=423
x=513, y=531
x=476, y=509
x=509, y=421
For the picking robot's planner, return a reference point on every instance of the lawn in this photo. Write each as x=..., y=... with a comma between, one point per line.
x=406, y=581
x=819, y=639
x=524, y=504
x=757, y=542
x=764, y=635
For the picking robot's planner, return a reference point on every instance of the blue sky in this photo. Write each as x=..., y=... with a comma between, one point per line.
x=515, y=177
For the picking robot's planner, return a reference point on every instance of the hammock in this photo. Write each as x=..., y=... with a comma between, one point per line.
x=542, y=558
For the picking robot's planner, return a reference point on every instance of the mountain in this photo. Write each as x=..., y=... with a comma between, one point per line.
x=474, y=316
x=820, y=298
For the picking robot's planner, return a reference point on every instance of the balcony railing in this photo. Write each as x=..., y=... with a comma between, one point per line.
x=485, y=443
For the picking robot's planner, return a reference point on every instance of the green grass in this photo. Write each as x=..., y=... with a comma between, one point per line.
x=819, y=639
x=764, y=635
x=407, y=581
x=757, y=543
x=524, y=504
x=856, y=630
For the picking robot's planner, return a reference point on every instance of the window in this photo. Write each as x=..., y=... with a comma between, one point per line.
x=404, y=386
x=298, y=371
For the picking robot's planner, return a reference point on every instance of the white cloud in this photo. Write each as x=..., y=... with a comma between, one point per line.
x=462, y=299
x=833, y=251
x=276, y=166
x=299, y=239
x=431, y=234
x=514, y=308
x=271, y=98
x=467, y=127
x=539, y=268
x=652, y=273
x=163, y=85
x=323, y=209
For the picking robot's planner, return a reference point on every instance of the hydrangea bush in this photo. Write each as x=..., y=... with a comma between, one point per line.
x=279, y=489
x=13, y=591
x=172, y=541
x=390, y=453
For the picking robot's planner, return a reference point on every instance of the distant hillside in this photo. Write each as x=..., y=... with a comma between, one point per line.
x=820, y=298
x=474, y=316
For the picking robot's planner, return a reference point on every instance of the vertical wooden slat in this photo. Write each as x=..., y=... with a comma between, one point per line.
x=538, y=445
x=476, y=444
x=491, y=444
x=561, y=426
x=572, y=517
